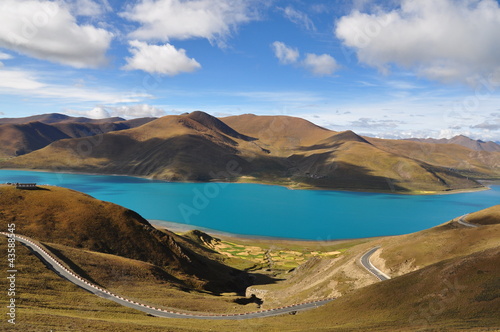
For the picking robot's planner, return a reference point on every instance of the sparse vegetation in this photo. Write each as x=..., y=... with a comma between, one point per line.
x=455, y=269
x=278, y=150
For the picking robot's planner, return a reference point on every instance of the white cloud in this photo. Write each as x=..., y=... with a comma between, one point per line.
x=125, y=111
x=299, y=18
x=164, y=59
x=178, y=19
x=28, y=84
x=136, y=111
x=444, y=40
x=320, y=65
x=375, y=124
x=5, y=56
x=47, y=30
x=285, y=54
x=19, y=80
x=95, y=113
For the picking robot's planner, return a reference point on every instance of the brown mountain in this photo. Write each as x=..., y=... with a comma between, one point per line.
x=279, y=134
x=56, y=118
x=453, y=157
x=18, y=139
x=462, y=140
x=24, y=137
x=270, y=149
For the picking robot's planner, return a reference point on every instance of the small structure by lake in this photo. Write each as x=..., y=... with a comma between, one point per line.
x=25, y=185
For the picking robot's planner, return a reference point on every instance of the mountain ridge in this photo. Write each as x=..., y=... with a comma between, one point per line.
x=266, y=149
x=24, y=137
x=478, y=145
x=50, y=118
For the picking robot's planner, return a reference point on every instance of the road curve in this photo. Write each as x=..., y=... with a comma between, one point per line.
x=365, y=261
x=66, y=273
x=461, y=221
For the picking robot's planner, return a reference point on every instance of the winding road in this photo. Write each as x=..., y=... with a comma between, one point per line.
x=66, y=273
x=462, y=222
x=365, y=261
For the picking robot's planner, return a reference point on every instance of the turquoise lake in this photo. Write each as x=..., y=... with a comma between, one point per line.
x=262, y=210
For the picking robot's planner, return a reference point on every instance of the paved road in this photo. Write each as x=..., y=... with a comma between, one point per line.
x=64, y=272
x=462, y=221
x=365, y=261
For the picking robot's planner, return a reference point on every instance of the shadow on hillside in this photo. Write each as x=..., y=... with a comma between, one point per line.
x=71, y=264
x=34, y=188
x=320, y=171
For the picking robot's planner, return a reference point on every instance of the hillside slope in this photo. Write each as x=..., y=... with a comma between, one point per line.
x=66, y=217
x=453, y=295
x=398, y=256
x=19, y=139
x=455, y=158
x=265, y=149
x=490, y=216
x=24, y=137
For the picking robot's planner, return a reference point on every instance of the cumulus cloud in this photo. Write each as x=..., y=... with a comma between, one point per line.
x=177, y=19
x=125, y=111
x=444, y=40
x=47, y=30
x=285, y=54
x=320, y=65
x=298, y=17
x=160, y=59
x=136, y=111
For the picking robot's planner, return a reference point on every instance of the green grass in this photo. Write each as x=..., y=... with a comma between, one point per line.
x=47, y=302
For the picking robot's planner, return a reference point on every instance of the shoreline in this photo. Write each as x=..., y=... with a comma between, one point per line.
x=289, y=187
x=183, y=228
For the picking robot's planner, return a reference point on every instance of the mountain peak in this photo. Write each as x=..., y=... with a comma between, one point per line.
x=214, y=123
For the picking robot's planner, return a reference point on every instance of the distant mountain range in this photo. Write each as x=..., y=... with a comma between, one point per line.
x=19, y=136
x=462, y=140
x=246, y=148
x=56, y=118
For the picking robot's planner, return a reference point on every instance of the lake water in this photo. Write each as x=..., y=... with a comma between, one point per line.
x=253, y=209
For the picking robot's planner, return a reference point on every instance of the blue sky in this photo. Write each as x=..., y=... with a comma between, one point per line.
x=397, y=68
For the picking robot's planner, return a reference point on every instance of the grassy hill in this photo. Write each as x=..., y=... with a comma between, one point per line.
x=461, y=293
x=62, y=217
x=402, y=254
x=267, y=149
x=399, y=255
x=490, y=216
